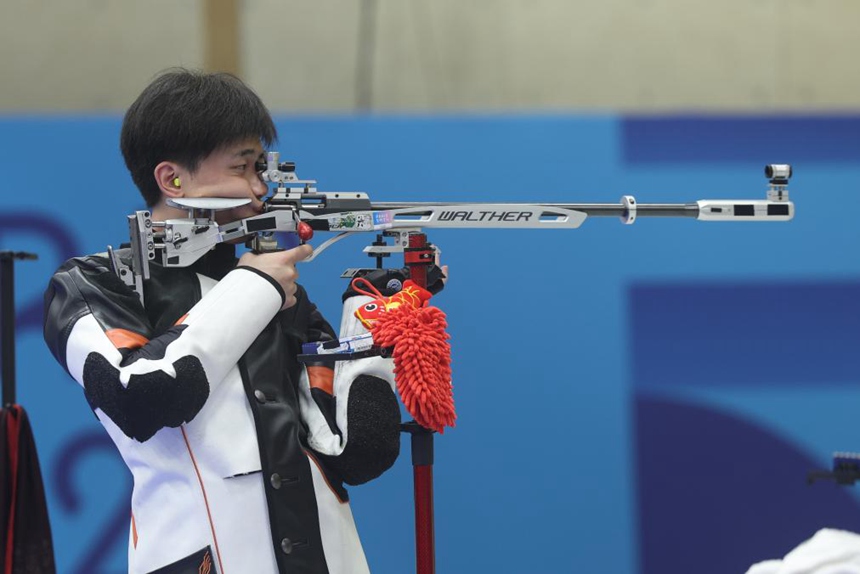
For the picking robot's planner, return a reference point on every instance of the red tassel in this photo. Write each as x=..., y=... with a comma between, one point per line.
x=422, y=362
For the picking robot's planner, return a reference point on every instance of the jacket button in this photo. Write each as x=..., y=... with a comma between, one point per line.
x=275, y=479
x=286, y=546
x=260, y=396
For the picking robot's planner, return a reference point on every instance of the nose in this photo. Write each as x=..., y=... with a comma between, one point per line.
x=259, y=187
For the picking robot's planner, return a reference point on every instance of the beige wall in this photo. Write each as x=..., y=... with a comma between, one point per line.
x=449, y=55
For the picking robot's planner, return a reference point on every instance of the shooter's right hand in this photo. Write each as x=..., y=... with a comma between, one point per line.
x=280, y=267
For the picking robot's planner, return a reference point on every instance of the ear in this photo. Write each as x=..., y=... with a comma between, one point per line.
x=168, y=175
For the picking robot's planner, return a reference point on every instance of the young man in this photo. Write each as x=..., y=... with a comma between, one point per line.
x=238, y=451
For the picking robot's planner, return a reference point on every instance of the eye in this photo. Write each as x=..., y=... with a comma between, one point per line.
x=370, y=307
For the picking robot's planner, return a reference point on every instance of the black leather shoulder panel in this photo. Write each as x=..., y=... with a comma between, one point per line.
x=87, y=285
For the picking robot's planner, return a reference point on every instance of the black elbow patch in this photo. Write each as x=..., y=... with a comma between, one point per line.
x=150, y=401
x=373, y=442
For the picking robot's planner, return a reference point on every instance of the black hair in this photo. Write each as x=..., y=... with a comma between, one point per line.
x=185, y=115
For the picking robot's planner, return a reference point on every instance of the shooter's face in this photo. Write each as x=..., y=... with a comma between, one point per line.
x=229, y=172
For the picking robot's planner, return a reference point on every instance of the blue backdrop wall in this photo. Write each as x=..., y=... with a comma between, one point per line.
x=631, y=399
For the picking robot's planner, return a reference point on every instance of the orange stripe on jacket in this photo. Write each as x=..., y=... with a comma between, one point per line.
x=133, y=531
x=205, y=499
x=324, y=477
x=125, y=339
x=321, y=378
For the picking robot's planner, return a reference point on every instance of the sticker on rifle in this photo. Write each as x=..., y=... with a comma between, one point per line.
x=351, y=222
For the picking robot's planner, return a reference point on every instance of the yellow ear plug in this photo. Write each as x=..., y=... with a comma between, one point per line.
x=176, y=182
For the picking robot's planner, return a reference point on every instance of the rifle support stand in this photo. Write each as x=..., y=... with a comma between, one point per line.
x=418, y=256
x=422, y=476
x=7, y=321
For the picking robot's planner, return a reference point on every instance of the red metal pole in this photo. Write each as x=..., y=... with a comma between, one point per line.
x=422, y=474
x=418, y=256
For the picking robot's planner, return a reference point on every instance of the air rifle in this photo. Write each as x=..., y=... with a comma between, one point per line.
x=296, y=206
